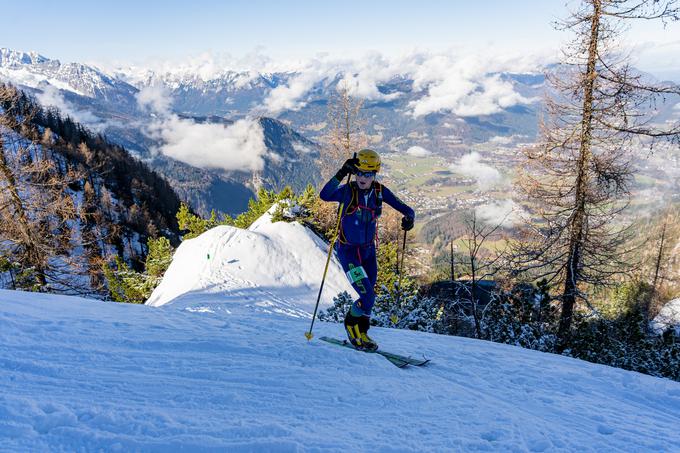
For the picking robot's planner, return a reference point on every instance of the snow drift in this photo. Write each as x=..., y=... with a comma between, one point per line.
x=278, y=266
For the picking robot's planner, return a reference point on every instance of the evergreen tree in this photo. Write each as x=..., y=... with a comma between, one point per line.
x=127, y=285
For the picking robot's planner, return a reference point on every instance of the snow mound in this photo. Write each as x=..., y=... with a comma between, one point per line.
x=669, y=316
x=278, y=266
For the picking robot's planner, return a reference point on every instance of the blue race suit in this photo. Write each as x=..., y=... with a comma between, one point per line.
x=356, y=245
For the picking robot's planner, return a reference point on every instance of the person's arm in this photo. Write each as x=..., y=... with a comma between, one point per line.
x=394, y=201
x=332, y=191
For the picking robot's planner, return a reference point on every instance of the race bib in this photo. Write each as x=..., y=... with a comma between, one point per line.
x=356, y=274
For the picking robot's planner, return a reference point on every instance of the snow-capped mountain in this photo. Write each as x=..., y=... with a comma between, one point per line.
x=226, y=93
x=239, y=93
x=35, y=71
x=417, y=105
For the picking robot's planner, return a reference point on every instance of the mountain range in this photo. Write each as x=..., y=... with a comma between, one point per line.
x=109, y=103
x=288, y=112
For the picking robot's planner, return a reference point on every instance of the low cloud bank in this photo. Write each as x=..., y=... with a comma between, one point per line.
x=418, y=151
x=237, y=147
x=506, y=213
x=471, y=166
x=52, y=97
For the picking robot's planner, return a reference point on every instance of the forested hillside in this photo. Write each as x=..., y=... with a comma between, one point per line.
x=71, y=201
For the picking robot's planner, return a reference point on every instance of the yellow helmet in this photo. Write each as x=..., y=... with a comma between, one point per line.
x=369, y=160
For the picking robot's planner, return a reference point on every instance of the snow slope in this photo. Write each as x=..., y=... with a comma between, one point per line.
x=226, y=367
x=83, y=375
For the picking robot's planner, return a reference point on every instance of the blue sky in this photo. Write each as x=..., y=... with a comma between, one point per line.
x=135, y=31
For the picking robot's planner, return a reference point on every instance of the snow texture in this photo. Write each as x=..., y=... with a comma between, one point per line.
x=225, y=367
x=669, y=316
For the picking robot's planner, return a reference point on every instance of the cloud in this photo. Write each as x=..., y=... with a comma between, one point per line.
x=418, y=151
x=452, y=80
x=464, y=85
x=501, y=140
x=361, y=77
x=505, y=213
x=505, y=139
x=289, y=96
x=365, y=86
x=155, y=98
x=300, y=148
x=237, y=147
x=471, y=166
x=52, y=97
x=484, y=95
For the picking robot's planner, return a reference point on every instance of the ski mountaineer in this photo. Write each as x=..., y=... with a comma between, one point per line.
x=362, y=205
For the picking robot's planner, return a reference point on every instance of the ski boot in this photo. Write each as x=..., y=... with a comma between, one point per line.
x=367, y=342
x=353, y=330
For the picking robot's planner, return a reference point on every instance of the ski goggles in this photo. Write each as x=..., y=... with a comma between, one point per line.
x=365, y=174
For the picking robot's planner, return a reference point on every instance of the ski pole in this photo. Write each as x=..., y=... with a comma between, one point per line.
x=401, y=271
x=309, y=334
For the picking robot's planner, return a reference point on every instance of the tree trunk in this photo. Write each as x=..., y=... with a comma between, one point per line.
x=659, y=257
x=578, y=219
x=453, y=269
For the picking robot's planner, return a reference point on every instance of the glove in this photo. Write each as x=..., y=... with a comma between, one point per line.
x=406, y=223
x=348, y=168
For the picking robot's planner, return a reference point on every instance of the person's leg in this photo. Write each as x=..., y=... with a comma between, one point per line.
x=351, y=259
x=361, y=278
x=370, y=265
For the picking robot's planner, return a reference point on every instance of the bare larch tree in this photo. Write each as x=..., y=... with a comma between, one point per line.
x=599, y=111
x=36, y=209
x=345, y=129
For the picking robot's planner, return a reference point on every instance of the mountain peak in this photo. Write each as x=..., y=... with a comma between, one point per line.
x=11, y=58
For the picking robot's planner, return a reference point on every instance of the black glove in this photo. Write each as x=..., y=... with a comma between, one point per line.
x=406, y=223
x=348, y=168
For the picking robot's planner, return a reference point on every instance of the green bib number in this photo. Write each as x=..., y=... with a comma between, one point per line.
x=356, y=274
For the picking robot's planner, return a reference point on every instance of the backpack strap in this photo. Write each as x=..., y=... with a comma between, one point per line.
x=354, y=201
x=378, y=198
x=349, y=209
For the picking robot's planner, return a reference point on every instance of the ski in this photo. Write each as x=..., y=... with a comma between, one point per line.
x=396, y=359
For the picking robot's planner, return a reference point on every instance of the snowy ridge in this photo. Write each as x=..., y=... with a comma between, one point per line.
x=13, y=58
x=35, y=71
x=277, y=266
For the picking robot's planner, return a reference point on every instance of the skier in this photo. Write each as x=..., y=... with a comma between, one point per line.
x=362, y=205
